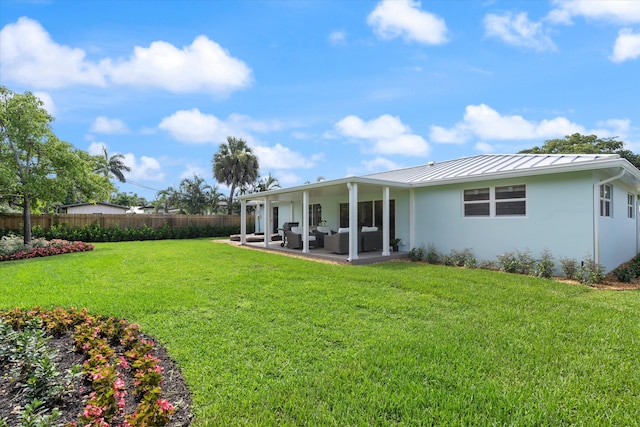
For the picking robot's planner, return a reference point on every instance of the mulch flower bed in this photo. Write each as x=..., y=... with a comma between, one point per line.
x=125, y=379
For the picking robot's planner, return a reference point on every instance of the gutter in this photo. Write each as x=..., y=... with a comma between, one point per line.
x=596, y=213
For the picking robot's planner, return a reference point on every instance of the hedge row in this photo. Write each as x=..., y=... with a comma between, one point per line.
x=95, y=233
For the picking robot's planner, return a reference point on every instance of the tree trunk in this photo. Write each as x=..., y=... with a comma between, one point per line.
x=26, y=217
x=230, y=201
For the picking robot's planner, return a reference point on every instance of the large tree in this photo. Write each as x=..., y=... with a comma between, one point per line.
x=235, y=165
x=36, y=166
x=585, y=144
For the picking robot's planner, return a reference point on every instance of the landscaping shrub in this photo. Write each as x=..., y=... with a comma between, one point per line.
x=569, y=267
x=624, y=273
x=544, y=267
x=95, y=233
x=431, y=255
x=459, y=258
x=590, y=273
x=417, y=254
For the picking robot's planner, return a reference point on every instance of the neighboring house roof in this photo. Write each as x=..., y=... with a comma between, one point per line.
x=93, y=204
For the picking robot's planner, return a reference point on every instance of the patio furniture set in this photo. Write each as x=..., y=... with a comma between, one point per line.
x=369, y=239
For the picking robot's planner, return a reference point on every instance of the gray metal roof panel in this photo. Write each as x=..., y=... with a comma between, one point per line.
x=485, y=164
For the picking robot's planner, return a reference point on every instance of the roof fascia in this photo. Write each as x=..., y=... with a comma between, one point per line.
x=323, y=184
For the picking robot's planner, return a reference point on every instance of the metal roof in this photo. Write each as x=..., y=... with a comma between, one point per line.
x=491, y=164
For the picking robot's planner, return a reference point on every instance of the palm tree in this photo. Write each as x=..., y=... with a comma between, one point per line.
x=195, y=195
x=112, y=166
x=235, y=165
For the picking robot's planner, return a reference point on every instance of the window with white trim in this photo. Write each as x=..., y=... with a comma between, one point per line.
x=631, y=206
x=508, y=200
x=605, y=200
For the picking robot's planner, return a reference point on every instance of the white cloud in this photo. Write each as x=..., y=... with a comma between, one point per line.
x=627, y=46
x=95, y=148
x=281, y=157
x=616, y=11
x=483, y=147
x=385, y=135
x=404, y=18
x=517, y=31
x=380, y=164
x=47, y=101
x=144, y=169
x=192, y=170
x=193, y=126
x=338, y=37
x=287, y=178
x=203, y=66
x=106, y=125
x=481, y=121
x=28, y=55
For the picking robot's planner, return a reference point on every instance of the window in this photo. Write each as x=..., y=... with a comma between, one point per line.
x=315, y=215
x=508, y=200
x=605, y=200
x=631, y=206
x=370, y=214
x=476, y=202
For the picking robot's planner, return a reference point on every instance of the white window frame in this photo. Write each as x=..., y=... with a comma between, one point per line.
x=631, y=206
x=606, y=201
x=493, y=202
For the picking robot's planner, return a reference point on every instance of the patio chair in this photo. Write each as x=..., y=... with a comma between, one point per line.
x=337, y=243
x=294, y=239
x=370, y=239
x=321, y=232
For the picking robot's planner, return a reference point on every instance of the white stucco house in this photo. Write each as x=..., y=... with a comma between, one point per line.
x=94, y=208
x=574, y=205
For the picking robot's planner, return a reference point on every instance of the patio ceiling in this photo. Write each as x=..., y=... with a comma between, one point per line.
x=335, y=188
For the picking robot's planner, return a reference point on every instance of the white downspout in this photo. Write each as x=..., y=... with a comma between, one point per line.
x=596, y=213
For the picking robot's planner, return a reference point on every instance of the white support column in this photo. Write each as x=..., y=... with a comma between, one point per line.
x=385, y=221
x=243, y=222
x=305, y=222
x=412, y=219
x=266, y=216
x=291, y=211
x=353, y=221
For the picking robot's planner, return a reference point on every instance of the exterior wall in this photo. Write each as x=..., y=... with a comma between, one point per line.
x=91, y=209
x=618, y=233
x=559, y=218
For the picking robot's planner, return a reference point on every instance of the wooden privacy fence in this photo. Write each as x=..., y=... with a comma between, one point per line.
x=14, y=221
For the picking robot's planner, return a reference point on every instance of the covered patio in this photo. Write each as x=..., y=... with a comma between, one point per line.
x=321, y=254
x=346, y=205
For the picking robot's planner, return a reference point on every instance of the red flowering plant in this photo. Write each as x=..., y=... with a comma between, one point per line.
x=12, y=248
x=103, y=341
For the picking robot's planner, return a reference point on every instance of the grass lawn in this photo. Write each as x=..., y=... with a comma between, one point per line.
x=264, y=339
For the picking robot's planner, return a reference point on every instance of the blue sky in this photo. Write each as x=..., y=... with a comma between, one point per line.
x=322, y=88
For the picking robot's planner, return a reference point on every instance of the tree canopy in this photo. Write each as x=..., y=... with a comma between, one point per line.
x=35, y=166
x=585, y=144
x=235, y=165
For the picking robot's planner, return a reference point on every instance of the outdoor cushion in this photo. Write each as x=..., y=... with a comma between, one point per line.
x=323, y=229
x=343, y=230
x=366, y=229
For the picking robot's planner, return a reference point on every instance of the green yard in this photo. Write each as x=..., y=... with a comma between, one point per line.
x=264, y=339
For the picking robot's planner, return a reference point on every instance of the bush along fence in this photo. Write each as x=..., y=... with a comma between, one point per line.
x=522, y=262
x=105, y=228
